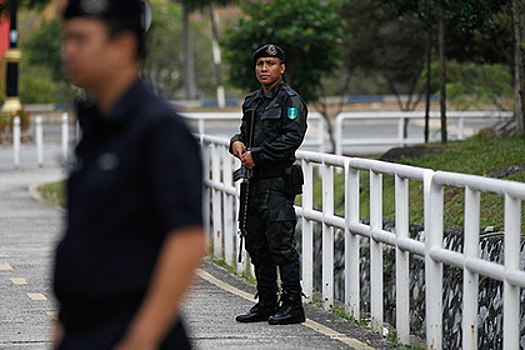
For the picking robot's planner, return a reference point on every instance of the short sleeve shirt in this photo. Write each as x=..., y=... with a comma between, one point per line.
x=138, y=177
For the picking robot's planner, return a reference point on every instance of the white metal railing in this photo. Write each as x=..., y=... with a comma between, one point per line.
x=202, y=118
x=39, y=139
x=221, y=194
x=317, y=127
x=401, y=117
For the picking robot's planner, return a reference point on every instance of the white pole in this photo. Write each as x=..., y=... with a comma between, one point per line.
x=65, y=135
x=511, y=293
x=16, y=141
x=39, y=138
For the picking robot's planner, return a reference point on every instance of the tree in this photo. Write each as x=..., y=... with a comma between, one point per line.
x=520, y=101
x=462, y=16
x=309, y=31
x=211, y=4
x=28, y=4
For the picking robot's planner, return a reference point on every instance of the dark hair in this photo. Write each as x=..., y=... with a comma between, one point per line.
x=118, y=25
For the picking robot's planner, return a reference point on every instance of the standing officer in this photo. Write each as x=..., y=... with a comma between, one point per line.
x=134, y=225
x=279, y=117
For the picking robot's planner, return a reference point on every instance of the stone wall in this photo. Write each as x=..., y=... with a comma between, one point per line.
x=490, y=315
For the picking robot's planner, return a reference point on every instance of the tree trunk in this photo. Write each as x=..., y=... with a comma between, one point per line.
x=217, y=57
x=429, y=81
x=442, y=75
x=520, y=84
x=189, y=66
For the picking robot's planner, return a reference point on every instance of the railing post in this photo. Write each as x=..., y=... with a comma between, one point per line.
x=339, y=135
x=400, y=131
x=511, y=293
x=308, y=235
x=434, y=270
x=201, y=126
x=65, y=135
x=207, y=192
x=217, y=210
x=402, y=263
x=320, y=136
x=229, y=227
x=352, y=297
x=39, y=140
x=461, y=128
x=376, y=251
x=470, y=278
x=16, y=141
x=328, y=238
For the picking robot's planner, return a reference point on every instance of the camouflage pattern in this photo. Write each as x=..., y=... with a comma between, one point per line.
x=271, y=224
x=280, y=126
x=277, y=136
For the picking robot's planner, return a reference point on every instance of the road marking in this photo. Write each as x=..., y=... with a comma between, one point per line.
x=354, y=343
x=53, y=315
x=5, y=267
x=36, y=296
x=18, y=281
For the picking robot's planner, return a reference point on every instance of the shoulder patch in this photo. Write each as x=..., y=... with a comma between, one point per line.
x=292, y=113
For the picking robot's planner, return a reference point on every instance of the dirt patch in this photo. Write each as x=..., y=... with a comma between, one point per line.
x=396, y=155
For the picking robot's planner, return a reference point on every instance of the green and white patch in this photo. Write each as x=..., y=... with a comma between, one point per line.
x=292, y=113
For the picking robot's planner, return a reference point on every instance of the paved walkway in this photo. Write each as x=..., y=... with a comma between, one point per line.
x=28, y=234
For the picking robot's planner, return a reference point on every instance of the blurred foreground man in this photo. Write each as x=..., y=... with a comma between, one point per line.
x=272, y=129
x=134, y=231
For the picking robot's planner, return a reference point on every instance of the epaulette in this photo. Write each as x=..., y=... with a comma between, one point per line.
x=290, y=91
x=249, y=98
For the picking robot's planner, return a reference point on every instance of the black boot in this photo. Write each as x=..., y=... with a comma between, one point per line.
x=267, y=291
x=291, y=310
x=266, y=307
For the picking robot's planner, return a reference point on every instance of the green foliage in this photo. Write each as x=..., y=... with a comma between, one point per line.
x=473, y=85
x=200, y=4
x=164, y=63
x=43, y=47
x=7, y=120
x=28, y=4
x=309, y=31
x=385, y=45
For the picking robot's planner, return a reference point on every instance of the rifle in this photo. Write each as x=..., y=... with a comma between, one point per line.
x=244, y=174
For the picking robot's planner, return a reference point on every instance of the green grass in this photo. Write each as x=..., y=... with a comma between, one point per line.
x=54, y=194
x=477, y=156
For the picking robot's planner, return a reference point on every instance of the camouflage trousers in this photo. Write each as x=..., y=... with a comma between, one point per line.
x=270, y=238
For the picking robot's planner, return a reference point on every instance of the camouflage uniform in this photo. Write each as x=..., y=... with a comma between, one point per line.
x=280, y=126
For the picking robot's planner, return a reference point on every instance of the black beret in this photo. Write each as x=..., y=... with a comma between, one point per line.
x=268, y=51
x=129, y=9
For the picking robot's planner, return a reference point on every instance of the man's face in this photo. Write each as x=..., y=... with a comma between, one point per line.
x=88, y=53
x=269, y=70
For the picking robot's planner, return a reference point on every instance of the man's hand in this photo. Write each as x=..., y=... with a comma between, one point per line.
x=174, y=272
x=57, y=335
x=238, y=149
x=247, y=160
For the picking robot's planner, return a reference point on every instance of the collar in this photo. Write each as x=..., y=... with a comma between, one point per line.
x=271, y=94
x=90, y=116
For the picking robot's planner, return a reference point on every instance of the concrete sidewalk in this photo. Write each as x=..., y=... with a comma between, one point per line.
x=28, y=234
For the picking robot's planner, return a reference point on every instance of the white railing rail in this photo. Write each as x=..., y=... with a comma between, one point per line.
x=221, y=195
x=316, y=135
x=400, y=140
x=202, y=118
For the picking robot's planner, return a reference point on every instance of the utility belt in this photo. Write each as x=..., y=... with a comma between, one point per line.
x=292, y=175
x=267, y=172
